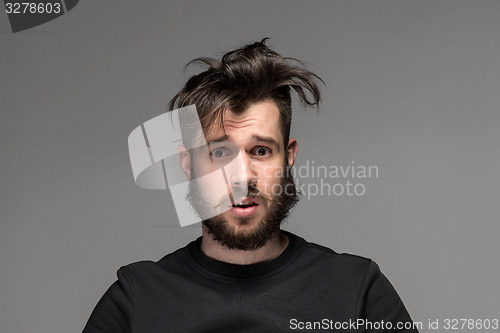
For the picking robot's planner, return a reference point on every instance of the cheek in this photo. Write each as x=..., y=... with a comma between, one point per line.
x=201, y=166
x=269, y=177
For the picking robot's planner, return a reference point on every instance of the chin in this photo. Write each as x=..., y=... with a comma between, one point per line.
x=244, y=222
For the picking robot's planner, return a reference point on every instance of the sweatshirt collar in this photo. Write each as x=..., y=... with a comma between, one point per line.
x=295, y=245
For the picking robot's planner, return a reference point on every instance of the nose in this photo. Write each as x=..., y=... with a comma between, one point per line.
x=242, y=177
x=244, y=174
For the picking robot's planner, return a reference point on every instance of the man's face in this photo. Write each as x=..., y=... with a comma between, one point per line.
x=249, y=220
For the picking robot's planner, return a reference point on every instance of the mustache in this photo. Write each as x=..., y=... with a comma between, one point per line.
x=252, y=192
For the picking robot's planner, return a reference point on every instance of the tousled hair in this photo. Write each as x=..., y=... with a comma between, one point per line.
x=248, y=75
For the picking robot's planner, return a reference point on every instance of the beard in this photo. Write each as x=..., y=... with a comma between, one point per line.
x=278, y=209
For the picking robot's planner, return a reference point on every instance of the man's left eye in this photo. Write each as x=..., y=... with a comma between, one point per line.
x=262, y=151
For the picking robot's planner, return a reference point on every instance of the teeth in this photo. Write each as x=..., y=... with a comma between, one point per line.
x=250, y=203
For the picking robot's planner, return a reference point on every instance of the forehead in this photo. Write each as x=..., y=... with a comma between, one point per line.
x=262, y=118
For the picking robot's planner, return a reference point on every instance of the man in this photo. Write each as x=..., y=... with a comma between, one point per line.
x=245, y=274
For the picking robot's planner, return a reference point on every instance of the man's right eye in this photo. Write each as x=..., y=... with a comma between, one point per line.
x=220, y=152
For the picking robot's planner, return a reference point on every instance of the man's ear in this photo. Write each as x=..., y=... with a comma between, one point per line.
x=184, y=161
x=291, y=151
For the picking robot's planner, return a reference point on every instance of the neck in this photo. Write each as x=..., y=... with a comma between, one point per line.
x=272, y=249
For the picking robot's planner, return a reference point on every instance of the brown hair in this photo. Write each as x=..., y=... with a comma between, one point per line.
x=244, y=76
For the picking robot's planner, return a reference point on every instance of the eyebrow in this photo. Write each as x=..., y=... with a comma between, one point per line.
x=254, y=137
x=220, y=139
x=266, y=139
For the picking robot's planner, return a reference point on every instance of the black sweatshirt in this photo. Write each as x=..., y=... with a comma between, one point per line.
x=308, y=287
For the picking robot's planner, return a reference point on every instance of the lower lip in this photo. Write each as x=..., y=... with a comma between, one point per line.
x=244, y=212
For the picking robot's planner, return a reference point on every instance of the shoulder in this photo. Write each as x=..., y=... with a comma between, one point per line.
x=320, y=255
x=151, y=270
x=339, y=268
x=356, y=280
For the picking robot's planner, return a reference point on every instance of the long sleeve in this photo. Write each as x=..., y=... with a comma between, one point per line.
x=114, y=312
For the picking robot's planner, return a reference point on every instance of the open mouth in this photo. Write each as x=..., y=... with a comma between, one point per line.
x=245, y=205
x=246, y=208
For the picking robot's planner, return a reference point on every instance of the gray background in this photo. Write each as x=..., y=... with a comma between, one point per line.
x=411, y=86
